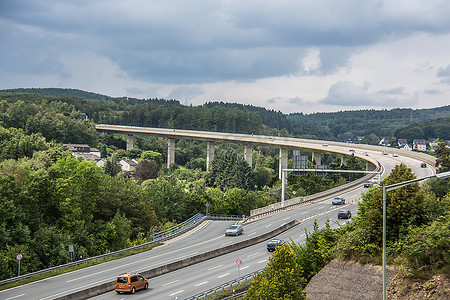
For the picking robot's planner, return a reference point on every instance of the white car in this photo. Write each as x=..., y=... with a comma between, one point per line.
x=236, y=229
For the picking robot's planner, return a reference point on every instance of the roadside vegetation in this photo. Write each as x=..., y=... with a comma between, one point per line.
x=50, y=199
x=418, y=234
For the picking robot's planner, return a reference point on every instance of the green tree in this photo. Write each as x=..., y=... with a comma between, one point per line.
x=112, y=166
x=103, y=152
x=316, y=252
x=146, y=169
x=230, y=170
x=443, y=158
x=77, y=187
x=155, y=156
x=282, y=278
x=166, y=196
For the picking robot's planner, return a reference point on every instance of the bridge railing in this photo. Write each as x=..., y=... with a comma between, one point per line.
x=178, y=229
x=227, y=288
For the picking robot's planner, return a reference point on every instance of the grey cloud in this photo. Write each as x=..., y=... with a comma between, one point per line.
x=185, y=92
x=208, y=41
x=444, y=73
x=394, y=91
x=432, y=91
x=346, y=93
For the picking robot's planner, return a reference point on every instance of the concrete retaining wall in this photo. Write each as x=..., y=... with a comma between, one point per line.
x=107, y=287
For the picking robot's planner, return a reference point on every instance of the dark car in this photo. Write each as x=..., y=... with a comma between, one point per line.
x=368, y=184
x=423, y=165
x=273, y=244
x=338, y=201
x=344, y=214
x=236, y=229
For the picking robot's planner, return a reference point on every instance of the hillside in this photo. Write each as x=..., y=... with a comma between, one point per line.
x=345, y=125
x=366, y=126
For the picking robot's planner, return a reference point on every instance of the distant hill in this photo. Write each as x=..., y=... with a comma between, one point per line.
x=437, y=128
x=365, y=126
x=59, y=92
x=352, y=125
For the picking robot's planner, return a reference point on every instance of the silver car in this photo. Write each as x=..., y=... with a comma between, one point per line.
x=236, y=229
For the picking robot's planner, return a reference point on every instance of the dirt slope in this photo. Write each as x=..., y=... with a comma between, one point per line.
x=349, y=280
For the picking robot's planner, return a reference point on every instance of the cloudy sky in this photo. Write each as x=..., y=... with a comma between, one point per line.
x=286, y=55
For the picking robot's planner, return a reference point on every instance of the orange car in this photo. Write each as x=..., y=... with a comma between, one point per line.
x=130, y=283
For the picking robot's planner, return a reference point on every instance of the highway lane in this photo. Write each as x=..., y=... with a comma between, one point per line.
x=200, y=277
x=197, y=278
x=207, y=238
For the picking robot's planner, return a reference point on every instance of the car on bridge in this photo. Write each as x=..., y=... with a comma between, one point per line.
x=338, y=201
x=423, y=165
x=273, y=244
x=344, y=214
x=130, y=283
x=235, y=229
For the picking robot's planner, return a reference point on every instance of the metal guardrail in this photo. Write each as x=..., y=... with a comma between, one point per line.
x=175, y=230
x=228, y=286
x=157, y=237
x=226, y=217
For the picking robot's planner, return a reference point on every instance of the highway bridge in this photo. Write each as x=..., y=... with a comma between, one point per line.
x=209, y=236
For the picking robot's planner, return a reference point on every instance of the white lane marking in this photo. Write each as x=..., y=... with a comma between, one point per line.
x=176, y=293
x=304, y=213
x=145, y=259
x=215, y=267
x=223, y=275
x=320, y=207
x=260, y=262
x=253, y=254
x=252, y=233
x=169, y=283
x=245, y=267
x=15, y=296
x=225, y=243
x=81, y=277
x=286, y=218
x=269, y=225
x=201, y=283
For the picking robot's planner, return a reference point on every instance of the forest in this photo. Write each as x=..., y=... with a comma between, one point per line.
x=362, y=126
x=51, y=199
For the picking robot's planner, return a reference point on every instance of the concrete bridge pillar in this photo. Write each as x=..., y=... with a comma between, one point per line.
x=317, y=157
x=209, y=154
x=170, y=152
x=130, y=141
x=283, y=162
x=248, y=154
x=343, y=159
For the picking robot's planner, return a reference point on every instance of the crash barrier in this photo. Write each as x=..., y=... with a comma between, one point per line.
x=225, y=217
x=275, y=207
x=229, y=286
x=157, y=238
x=177, y=229
x=107, y=287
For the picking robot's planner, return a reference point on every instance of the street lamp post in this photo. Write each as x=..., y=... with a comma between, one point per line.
x=392, y=187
